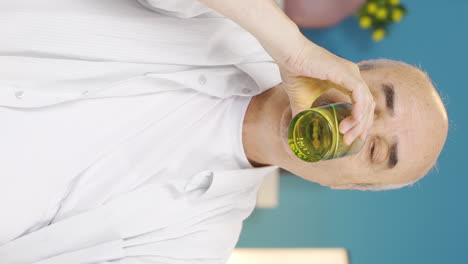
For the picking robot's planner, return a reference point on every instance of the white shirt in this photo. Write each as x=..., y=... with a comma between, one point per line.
x=90, y=95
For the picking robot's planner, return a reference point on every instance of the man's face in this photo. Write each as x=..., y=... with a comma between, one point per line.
x=404, y=141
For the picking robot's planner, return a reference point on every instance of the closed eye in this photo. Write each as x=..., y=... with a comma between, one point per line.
x=372, y=150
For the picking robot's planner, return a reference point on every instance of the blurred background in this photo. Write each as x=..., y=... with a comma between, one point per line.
x=426, y=223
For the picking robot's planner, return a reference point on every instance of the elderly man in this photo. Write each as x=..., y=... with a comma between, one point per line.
x=408, y=133
x=141, y=133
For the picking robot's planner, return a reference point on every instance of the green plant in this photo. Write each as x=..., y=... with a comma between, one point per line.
x=378, y=15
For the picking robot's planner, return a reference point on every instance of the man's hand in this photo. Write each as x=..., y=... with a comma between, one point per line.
x=297, y=56
x=316, y=62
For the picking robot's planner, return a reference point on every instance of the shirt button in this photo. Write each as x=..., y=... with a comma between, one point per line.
x=19, y=94
x=202, y=79
x=246, y=91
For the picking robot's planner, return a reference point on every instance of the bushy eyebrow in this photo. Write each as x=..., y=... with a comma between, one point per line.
x=393, y=158
x=389, y=97
x=389, y=93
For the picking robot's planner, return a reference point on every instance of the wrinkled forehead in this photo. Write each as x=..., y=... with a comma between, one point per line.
x=407, y=79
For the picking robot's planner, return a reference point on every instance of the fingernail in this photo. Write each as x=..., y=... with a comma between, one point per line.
x=343, y=129
x=348, y=125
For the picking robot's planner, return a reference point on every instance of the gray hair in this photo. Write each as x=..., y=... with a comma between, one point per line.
x=383, y=187
x=380, y=63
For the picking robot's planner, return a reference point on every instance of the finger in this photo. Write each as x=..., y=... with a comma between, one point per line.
x=352, y=134
x=347, y=123
x=360, y=102
x=359, y=93
x=363, y=136
x=366, y=126
x=369, y=119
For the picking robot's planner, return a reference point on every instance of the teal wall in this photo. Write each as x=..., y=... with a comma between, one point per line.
x=427, y=223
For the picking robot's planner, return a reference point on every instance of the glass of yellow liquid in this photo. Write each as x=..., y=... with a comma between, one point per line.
x=314, y=134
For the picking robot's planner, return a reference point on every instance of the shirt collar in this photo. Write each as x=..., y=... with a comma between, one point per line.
x=265, y=73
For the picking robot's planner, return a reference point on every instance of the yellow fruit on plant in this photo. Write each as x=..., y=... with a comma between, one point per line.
x=381, y=13
x=397, y=14
x=394, y=2
x=378, y=34
x=371, y=8
x=365, y=22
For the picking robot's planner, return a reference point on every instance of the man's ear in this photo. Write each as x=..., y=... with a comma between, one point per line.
x=363, y=61
x=365, y=65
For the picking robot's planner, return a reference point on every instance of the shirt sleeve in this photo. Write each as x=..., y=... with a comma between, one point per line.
x=190, y=223
x=211, y=243
x=177, y=8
